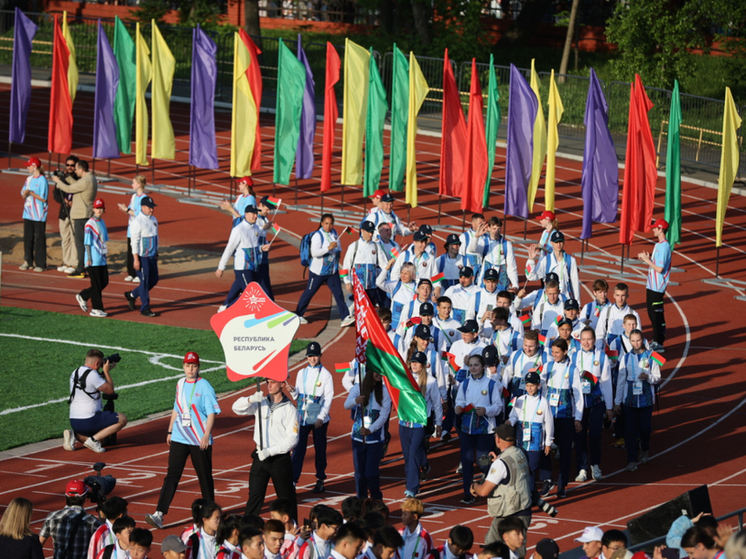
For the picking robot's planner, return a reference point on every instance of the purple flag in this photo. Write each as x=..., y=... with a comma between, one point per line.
x=522, y=108
x=600, y=179
x=107, y=80
x=20, y=89
x=304, y=153
x=203, y=147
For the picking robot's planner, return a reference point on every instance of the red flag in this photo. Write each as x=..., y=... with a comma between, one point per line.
x=60, y=139
x=476, y=148
x=331, y=113
x=453, y=137
x=254, y=75
x=640, y=174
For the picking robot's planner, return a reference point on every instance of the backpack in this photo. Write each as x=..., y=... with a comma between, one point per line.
x=79, y=384
x=73, y=533
x=305, y=249
x=108, y=551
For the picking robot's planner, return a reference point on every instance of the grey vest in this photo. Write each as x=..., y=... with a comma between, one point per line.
x=514, y=494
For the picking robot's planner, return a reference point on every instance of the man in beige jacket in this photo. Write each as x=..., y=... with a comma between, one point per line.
x=84, y=190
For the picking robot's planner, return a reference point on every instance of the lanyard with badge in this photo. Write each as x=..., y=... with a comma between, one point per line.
x=527, y=432
x=313, y=408
x=586, y=383
x=555, y=394
x=523, y=376
x=639, y=367
x=186, y=416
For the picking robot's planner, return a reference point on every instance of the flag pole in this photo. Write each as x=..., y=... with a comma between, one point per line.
x=93, y=164
x=322, y=202
x=622, y=268
x=296, y=190
x=49, y=161
x=525, y=227
x=273, y=188
x=342, y=205
x=582, y=250
x=10, y=151
x=440, y=202
x=463, y=219
x=108, y=168
x=152, y=170
x=189, y=182
x=409, y=208
x=259, y=415
x=717, y=263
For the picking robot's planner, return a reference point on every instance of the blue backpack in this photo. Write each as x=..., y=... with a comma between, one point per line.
x=305, y=249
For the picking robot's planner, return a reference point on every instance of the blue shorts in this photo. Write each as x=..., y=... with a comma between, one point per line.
x=93, y=425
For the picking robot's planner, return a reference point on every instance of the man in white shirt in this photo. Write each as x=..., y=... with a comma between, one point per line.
x=559, y=262
x=611, y=319
x=462, y=295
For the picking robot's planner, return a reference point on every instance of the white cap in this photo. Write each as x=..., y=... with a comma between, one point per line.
x=591, y=534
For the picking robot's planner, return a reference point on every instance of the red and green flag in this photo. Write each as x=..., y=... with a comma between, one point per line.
x=506, y=393
x=593, y=379
x=382, y=356
x=342, y=368
x=450, y=358
x=658, y=358
x=395, y=252
x=542, y=339
x=274, y=203
x=437, y=279
x=351, y=231
x=343, y=273
x=612, y=353
x=526, y=319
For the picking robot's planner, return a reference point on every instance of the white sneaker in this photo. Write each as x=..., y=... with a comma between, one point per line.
x=582, y=476
x=155, y=519
x=129, y=278
x=302, y=320
x=596, y=471
x=98, y=313
x=38, y=269
x=81, y=302
x=61, y=268
x=24, y=266
x=94, y=445
x=349, y=320
x=68, y=436
x=221, y=308
x=136, y=279
x=69, y=269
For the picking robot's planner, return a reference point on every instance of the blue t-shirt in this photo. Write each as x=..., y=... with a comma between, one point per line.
x=198, y=399
x=33, y=209
x=661, y=257
x=96, y=237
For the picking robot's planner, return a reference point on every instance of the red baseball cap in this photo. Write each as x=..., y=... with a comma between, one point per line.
x=377, y=194
x=191, y=357
x=662, y=223
x=33, y=161
x=76, y=488
x=546, y=214
x=247, y=180
x=99, y=203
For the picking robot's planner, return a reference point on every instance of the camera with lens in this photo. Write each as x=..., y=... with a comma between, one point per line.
x=100, y=485
x=113, y=358
x=59, y=173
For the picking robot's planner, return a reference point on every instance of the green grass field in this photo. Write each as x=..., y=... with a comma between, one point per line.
x=41, y=349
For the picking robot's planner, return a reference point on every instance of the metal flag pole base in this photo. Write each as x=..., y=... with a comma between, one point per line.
x=717, y=263
x=10, y=151
x=463, y=219
x=342, y=204
x=152, y=170
x=296, y=191
x=440, y=203
x=525, y=227
x=108, y=168
x=622, y=260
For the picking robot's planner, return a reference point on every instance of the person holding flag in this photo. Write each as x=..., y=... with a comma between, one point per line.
x=593, y=368
x=448, y=265
x=530, y=359
x=246, y=197
x=424, y=262
x=384, y=213
x=462, y=295
x=496, y=253
x=658, y=277
x=362, y=258
x=557, y=261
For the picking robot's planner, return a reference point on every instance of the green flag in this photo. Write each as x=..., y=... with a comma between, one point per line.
x=399, y=121
x=124, y=103
x=291, y=83
x=492, y=126
x=673, y=170
x=374, y=120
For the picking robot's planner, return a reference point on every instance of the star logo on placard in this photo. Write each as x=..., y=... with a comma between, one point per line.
x=253, y=297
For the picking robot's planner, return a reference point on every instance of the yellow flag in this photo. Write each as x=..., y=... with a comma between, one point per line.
x=144, y=73
x=244, y=117
x=72, y=69
x=555, y=116
x=540, y=141
x=163, y=144
x=418, y=90
x=728, y=162
x=357, y=71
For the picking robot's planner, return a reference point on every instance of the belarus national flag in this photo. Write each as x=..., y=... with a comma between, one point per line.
x=590, y=377
x=658, y=358
x=437, y=279
x=342, y=367
x=394, y=252
x=542, y=339
x=612, y=354
x=343, y=273
x=274, y=202
x=451, y=359
x=526, y=319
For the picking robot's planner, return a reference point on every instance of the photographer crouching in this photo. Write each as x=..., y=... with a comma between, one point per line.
x=90, y=423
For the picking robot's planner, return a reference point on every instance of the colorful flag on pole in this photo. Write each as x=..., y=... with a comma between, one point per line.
x=163, y=144
x=438, y=278
x=203, y=148
x=450, y=358
x=107, y=81
x=342, y=368
x=357, y=67
x=274, y=202
x=245, y=115
x=304, y=153
x=64, y=85
x=612, y=353
x=124, y=103
x=600, y=176
x=493, y=125
x=728, y=162
x=522, y=109
x=453, y=136
x=418, y=90
x=20, y=83
x=673, y=169
x=331, y=114
x=399, y=120
x=477, y=164
x=343, y=273
x=542, y=340
x=374, y=122
x=291, y=84
x=144, y=74
x=539, y=141
x=525, y=319
x=555, y=116
x=382, y=356
x=640, y=173
x=658, y=358
x=593, y=379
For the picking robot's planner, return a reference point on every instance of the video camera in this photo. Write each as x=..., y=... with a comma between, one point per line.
x=100, y=485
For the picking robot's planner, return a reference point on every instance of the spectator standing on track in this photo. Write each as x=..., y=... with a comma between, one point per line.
x=246, y=197
x=132, y=211
x=67, y=236
x=111, y=509
x=96, y=251
x=658, y=276
x=59, y=524
x=276, y=435
x=35, y=194
x=189, y=435
x=84, y=189
x=17, y=541
x=90, y=424
x=314, y=392
x=324, y=269
x=144, y=229
x=591, y=540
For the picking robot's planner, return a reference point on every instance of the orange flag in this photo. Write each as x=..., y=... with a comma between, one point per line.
x=640, y=174
x=60, y=139
x=254, y=74
x=331, y=113
x=477, y=164
x=453, y=136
